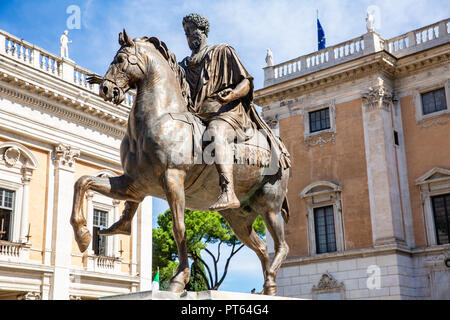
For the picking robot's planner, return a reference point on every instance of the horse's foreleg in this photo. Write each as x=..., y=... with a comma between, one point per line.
x=173, y=183
x=116, y=188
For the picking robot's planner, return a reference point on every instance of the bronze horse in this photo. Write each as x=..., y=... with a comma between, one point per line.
x=157, y=160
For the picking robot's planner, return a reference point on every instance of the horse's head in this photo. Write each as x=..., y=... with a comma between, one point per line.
x=125, y=71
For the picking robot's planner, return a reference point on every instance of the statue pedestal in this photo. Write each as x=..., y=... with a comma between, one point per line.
x=190, y=295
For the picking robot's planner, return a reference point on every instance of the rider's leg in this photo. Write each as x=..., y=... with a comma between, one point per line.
x=224, y=136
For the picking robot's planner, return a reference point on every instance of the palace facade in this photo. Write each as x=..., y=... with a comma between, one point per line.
x=54, y=128
x=367, y=123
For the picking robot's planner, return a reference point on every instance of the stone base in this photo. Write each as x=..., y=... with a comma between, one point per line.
x=190, y=295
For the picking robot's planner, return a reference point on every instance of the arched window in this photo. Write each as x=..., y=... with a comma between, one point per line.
x=17, y=164
x=324, y=212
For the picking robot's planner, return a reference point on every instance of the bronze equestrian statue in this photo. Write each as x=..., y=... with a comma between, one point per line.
x=178, y=109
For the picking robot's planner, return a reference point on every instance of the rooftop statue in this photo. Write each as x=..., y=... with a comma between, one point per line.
x=64, y=41
x=269, y=58
x=369, y=22
x=195, y=139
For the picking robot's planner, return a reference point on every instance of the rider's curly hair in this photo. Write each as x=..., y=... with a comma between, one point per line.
x=198, y=20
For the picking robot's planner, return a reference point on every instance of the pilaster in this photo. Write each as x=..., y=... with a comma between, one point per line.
x=64, y=163
x=383, y=183
x=144, y=244
x=24, y=226
x=115, y=238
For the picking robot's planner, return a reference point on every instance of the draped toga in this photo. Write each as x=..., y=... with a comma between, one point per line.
x=213, y=69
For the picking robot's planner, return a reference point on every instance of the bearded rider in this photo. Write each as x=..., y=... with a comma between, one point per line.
x=222, y=94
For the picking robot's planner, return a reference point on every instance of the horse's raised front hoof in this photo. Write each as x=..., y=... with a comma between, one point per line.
x=179, y=281
x=83, y=238
x=120, y=227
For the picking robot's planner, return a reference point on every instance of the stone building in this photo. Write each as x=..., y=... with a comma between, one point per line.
x=367, y=123
x=55, y=128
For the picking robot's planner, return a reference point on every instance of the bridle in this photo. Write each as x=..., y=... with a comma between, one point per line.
x=132, y=59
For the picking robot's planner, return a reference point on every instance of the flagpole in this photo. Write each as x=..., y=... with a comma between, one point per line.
x=317, y=19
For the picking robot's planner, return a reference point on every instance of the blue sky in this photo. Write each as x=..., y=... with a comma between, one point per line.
x=288, y=28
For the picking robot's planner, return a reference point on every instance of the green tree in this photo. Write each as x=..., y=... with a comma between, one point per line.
x=202, y=228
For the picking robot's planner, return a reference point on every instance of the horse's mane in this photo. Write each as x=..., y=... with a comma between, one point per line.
x=179, y=71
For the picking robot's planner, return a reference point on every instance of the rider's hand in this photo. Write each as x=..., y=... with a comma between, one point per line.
x=225, y=96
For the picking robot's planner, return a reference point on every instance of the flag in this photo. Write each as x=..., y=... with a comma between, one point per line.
x=155, y=284
x=320, y=36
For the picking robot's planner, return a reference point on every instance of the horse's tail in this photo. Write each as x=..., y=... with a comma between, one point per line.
x=285, y=210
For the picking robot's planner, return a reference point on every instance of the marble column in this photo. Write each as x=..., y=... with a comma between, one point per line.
x=64, y=163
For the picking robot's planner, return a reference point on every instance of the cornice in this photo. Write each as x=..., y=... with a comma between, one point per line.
x=115, y=127
x=417, y=62
x=380, y=62
x=348, y=71
x=25, y=78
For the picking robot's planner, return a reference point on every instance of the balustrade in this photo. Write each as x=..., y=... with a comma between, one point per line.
x=436, y=33
x=49, y=63
x=10, y=249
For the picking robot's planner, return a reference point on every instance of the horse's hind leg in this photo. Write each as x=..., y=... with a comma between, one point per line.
x=241, y=222
x=116, y=188
x=281, y=249
x=268, y=203
x=173, y=183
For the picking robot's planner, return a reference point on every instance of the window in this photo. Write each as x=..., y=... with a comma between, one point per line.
x=434, y=101
x=441, y=212
x=99, y=243
x=319, y=120
x=435, y=194
x=324, y=229
x=6, y=212
x=324, y=214
x=396, y=141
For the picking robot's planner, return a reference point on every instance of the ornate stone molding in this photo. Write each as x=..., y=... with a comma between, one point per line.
x=378, y=98
x=437, y=261
x=438, y=121
x=29, y=296
x=328, y=285
x=314, y=141
x=64, y=156
x=327, y=282
x=11, y=156
x=272, y=122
